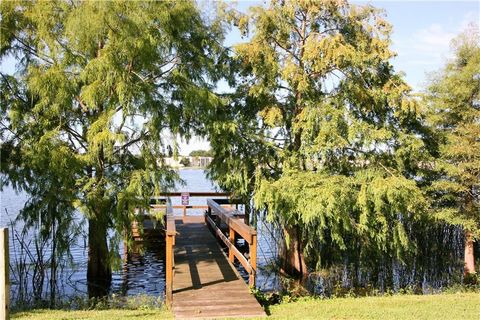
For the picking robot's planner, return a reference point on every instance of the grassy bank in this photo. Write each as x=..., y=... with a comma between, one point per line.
x=443, y=306
x=114, y=314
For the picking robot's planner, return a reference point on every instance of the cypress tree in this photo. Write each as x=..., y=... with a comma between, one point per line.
x=323, y=132
x=97, y=85
x=453, y=100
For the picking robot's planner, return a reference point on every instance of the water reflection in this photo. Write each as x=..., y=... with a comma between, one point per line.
x=143, y=270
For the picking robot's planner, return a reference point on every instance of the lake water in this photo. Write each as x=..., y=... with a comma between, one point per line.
x=141, y=273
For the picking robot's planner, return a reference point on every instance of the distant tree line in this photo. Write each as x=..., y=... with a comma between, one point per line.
x=201, y=153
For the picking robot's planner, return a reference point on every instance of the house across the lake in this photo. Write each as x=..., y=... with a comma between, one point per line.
x=187, y=161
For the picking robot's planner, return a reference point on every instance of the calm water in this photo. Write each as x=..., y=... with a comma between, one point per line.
x=142, y=273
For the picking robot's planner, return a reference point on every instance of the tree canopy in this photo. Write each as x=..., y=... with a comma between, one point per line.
x=453, y=100
x=96, y=85
x=319, y=128
x=201, y=153
x=322, y=130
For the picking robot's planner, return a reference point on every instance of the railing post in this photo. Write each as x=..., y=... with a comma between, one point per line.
x=184, y=211
x=231, y=238
x=4, y=275
x=208, y=214
x=253, y=260
x=169, y=269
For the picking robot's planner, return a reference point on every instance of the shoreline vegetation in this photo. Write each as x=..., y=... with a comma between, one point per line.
x=458, y=305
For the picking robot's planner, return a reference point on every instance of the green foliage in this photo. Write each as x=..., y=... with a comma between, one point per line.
x=453, y=100
x=185, y=162
x=96, y=86
x=370, y=206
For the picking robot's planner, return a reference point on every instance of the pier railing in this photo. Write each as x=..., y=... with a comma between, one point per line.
x=232, y=218
x=168, y=195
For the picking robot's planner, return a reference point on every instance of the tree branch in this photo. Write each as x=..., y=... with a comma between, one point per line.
x=142, y=136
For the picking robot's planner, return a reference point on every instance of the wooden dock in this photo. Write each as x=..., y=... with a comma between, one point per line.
x=200, y=279
x=205, y=284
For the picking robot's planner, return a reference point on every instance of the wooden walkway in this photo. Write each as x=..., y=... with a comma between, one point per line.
x=205, y=285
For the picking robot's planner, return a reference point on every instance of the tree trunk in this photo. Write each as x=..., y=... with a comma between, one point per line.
x=469, y=258
x=99, y=273
x=293, y=260
x=248, y=209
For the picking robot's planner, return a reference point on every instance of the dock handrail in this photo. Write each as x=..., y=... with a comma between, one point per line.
x=170, y=233
x=192, y=194
x=167, y=195
x=235, y=226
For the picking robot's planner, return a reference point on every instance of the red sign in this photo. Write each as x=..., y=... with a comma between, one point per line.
x=185, y=198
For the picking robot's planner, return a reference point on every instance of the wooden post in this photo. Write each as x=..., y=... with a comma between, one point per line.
x=4, y=275
x=169, y=269
x=253, y=260
x=184, y=211
x=231, y=238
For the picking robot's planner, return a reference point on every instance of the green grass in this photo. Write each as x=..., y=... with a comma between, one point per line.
x=442, y=306
x=115, y=314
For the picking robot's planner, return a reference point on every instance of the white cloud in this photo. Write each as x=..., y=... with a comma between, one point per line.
x=427, y=49
x=433, y=39
x=436, y=38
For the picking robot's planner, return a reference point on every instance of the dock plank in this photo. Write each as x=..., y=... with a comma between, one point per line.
x=205, y=284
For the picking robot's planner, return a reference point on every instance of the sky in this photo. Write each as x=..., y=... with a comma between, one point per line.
x=422, y=32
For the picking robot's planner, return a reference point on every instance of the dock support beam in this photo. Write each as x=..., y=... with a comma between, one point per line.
x=253, y=260
x=231, y=238
x=169, y=269
x=4, y=275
